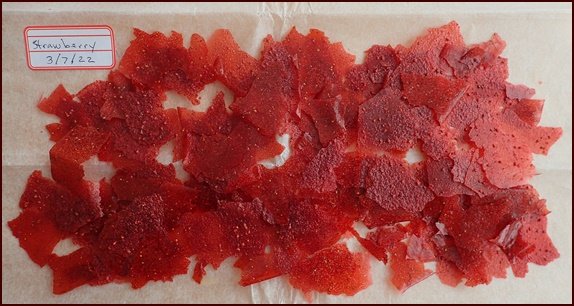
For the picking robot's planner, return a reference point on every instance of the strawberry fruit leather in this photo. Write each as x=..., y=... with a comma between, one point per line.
x=466, y=206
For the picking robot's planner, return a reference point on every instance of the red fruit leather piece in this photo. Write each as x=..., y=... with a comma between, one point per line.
x=220, y=159
x=145, y=119
x=145, y=179
x=97, y=99
x=445, y=247
x=327, y=117
x=424, y=55
x=304, y=146
x=479, y=271
x=368, y=78
x=236, y=228
x=530, y=244
x=108, y=200
x=507, y=161
x=441, y=181
x=485, y=53
x=321, y=65
x=334, y=270
x=214, y=120
x=122, y=149
x=58, y=102
x=378, y=216
x=50, y=213
x=472, y=229
x=255, y=269
x=319, y=175
x=352, y=171
x=73, y=270
x=275, y=189
x=353, y=174
x=313, y=225
x=468, y=170
x=524, y=239
x=405, y=272
x=39, y=192
x=143, y=128
x=380, y=242
x=88, y=234
x=529, y=111
x=418, y=248
x=436, y=141
x=159, y=259
x=112, y=98
x=246, y=232
x=67, y=210
x=462, y=159
x=56, y=131
x=391, y=184
x=124, y=233
x=135, y=246
x=484, y=97
x=67, y=155
x=203, y=234
x=160, y=62
x=61, y=103
x=102, y=100
x=37, y=234
x=385, y=123
x=233, y=67
x=179, y=200
x=199, y=272
x=272, y=96
x=464, y=60
x=448, y=273
x=436, y=92
x=539, y=139
x=519, y=91
x=433, y=209
x=200, y=67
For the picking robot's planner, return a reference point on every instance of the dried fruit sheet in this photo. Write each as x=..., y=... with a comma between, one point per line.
x=539, y=49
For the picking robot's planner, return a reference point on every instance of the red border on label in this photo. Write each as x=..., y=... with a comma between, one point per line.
x=50, y=27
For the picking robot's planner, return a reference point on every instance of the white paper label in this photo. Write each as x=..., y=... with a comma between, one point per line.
x=70, y=47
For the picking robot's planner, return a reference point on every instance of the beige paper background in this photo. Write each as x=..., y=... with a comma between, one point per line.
x=539, y=38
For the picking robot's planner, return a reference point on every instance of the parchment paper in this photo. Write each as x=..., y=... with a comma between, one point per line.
x=539, y=38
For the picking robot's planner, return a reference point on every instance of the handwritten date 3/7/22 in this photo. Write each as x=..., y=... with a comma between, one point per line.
x=68, y=59
x=69, y=47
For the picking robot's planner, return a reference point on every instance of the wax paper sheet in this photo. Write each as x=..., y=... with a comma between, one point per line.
x=539, y=38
